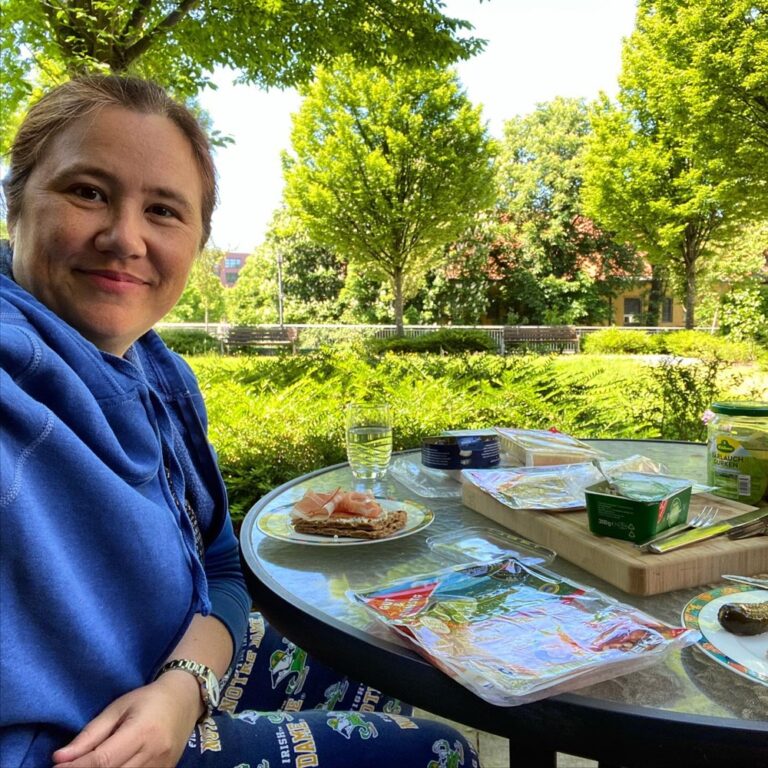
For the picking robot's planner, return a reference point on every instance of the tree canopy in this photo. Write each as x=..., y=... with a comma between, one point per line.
x=387, y=168
x=711, y=59
x=203, y=298
x=556, y=266
x=180, y=42
x=653, y=174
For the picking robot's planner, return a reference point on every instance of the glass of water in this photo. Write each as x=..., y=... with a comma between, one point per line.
x=369, y=439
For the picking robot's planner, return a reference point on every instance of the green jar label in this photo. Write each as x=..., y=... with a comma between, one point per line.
x=738, y=472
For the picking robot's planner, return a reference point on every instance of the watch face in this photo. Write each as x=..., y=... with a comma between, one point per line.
x=212, y=688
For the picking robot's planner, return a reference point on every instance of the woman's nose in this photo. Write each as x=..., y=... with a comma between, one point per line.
x=122, y=234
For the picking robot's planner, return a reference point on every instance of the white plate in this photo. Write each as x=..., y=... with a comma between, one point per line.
x=276, y=523
x=747, y=656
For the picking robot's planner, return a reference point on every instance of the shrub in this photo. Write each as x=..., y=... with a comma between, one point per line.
x=620, y=341
x=446, y=340
x=677, y=392
x=274, y=418
x=706, y=346
x=186, y=341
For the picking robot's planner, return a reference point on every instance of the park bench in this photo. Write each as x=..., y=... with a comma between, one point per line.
x=260, y=336
x=552, y=338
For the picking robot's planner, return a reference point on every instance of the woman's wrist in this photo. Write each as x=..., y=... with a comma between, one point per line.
x=185, y=690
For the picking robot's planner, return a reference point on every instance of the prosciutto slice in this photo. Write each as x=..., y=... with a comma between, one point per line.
x=336, y=504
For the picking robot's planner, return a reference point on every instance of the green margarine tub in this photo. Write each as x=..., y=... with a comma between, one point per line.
x=737, y=451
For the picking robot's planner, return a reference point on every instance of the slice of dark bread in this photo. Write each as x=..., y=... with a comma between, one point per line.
x=354, y=527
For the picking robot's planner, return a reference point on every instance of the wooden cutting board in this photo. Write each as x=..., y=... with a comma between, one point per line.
x=619, y=562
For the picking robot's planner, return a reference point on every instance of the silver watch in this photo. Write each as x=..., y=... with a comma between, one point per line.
x=209, y=683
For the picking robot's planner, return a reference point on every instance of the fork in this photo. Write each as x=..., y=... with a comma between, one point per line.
x=702, y=519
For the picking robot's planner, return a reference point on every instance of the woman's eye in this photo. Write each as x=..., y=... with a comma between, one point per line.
x=161, y=210
x=87, y=193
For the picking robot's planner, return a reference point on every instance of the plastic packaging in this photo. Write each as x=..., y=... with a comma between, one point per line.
x=514, y=634
x=484, y=545
x=737, y=451
x=638, y=506
x=554, y=488
x=429, y=483
x=540, y=447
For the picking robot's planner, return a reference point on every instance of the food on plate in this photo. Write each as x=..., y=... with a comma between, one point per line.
x=744, y=618
x=354, y=514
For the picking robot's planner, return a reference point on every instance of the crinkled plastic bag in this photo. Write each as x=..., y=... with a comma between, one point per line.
x=513, y=634
x=552, y=488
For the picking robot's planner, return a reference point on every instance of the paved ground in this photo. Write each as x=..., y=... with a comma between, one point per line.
x=494, y=750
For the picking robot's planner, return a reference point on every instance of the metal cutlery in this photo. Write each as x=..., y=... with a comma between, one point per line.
x=749, y=580
x=705, y=517
x=611, y=484
x=737, y=523
x=756, y=528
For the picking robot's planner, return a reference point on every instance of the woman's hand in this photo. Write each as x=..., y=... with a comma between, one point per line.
x=148, y=728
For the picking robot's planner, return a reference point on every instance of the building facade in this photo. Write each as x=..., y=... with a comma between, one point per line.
x=229, y=267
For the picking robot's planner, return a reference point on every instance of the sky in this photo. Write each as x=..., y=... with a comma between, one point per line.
x=535, y=50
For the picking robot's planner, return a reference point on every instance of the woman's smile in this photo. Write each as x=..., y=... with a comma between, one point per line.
x=112, y=281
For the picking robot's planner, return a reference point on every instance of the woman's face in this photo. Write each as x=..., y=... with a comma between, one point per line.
x=109, y=225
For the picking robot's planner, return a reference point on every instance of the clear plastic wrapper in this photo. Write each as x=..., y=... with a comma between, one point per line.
x=483, y=545
x=513, y=634
x=641, y=486
x=540, y=447
x=553, y=488
x=426, y=482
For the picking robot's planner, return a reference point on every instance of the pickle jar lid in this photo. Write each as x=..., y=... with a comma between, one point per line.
x=743, y=408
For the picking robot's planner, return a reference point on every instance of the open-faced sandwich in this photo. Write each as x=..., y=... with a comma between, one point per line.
x=354, y=514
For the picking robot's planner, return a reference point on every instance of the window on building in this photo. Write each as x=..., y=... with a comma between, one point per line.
x=230, y=262
x=231, y=278
x=666, y=310
x=633, y=310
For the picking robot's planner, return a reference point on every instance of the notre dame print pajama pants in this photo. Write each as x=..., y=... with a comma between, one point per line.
x=281, y=708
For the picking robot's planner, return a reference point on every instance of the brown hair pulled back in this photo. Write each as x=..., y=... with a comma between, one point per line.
x=83, y=96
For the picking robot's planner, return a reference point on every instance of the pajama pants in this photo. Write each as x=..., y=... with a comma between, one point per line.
x=279, y=708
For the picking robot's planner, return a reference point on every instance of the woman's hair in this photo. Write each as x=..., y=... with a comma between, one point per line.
x=85, y=95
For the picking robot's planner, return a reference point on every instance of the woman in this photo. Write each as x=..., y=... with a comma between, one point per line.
x=123, y=605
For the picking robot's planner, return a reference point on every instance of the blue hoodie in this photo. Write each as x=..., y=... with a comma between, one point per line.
x=100, y=575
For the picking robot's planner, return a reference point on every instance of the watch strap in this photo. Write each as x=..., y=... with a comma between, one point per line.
x=206, y=678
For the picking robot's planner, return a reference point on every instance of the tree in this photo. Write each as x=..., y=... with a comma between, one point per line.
x=203, y=297
x=741, y=264
x=312, y=276
x=647, y=177
x=253, y=298
x=715, y=58
x=458, y=291
x=180, y=42
x=559, y=267
x=387, y=168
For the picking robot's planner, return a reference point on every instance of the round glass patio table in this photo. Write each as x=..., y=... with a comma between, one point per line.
x=686, y=710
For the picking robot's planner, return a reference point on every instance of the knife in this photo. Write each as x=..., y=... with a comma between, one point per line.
x=701, y=534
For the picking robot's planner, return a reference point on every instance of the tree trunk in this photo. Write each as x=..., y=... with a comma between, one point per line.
x=690, y=295
x=397, y=286
x=656, y=295
x=691, y=248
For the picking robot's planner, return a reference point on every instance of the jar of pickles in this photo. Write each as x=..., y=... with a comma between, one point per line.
x=737, y=450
